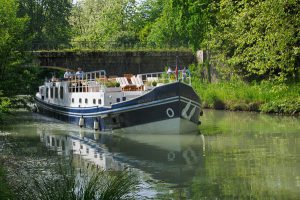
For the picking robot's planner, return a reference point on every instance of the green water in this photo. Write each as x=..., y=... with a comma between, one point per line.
x=237, y=156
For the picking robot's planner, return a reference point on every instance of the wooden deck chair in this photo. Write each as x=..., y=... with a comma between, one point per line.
x=125, y=84
x=138, y=82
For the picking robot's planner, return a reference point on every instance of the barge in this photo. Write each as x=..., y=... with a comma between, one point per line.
x=152, y=102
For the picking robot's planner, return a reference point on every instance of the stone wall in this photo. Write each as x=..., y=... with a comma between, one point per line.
x=117, y=62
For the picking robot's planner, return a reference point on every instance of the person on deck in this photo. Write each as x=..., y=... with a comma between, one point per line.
x=79, y=73
x=169, y=71
x=53, y=79
x=67, y=74
x=184, y=73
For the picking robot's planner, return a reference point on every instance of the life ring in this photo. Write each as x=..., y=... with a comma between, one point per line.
x=170, y=112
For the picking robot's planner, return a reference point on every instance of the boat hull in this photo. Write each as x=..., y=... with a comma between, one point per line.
x=171, y=108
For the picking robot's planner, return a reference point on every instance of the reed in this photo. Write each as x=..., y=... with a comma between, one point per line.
x=67, y=183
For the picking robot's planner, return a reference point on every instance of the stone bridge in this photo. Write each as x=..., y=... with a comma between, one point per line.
x=117, y=62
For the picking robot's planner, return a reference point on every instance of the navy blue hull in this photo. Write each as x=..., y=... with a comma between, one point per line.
x=171, y=101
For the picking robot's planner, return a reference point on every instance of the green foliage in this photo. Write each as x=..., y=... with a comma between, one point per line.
x=48, y=22
x=106, y=23
x=67, y=183
x=12, y=75
x=238, y=95
x=21, y=80
x=5, y=105
x=111, y=84
x=256, y=39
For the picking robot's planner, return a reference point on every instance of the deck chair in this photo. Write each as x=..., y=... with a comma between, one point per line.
x=138, y=82
x=125, y=84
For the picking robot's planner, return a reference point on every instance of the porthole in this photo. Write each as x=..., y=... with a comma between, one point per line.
x=170, y=112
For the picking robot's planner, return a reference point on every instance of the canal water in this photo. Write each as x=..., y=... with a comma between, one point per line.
x=235, y=155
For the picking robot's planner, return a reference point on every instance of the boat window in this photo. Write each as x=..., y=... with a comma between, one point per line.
x=47, y=92
x=99, y=101
x=80, y=100
x=74, y=144
x=124, y=99
x=94, y=101
x=56, y=92
x=118, y=99
x=61, y=90
x=53, y=142
x=51, y=92
x=86, y=101
x=72, y=100
x=81, y=147
x=63, y=145
x=87, y=150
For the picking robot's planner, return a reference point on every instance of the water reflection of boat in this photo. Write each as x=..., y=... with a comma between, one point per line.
x=174, y=161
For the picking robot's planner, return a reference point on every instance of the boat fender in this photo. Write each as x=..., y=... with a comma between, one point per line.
x=201, y=112
x=81, y=121
x=96, y=125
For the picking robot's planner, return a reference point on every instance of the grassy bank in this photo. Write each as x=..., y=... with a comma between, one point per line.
x=260, y=97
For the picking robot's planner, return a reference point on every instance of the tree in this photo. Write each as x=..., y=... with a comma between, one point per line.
x=17, y=76
x=11, y=30
x=48, y=24
x=105, y=23
x=182, y=23
x=257, y=39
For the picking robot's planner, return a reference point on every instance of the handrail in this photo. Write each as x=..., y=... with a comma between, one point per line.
x=165, y=77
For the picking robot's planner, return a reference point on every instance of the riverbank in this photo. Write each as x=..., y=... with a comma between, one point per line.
x=8, y=105
x=263, y=97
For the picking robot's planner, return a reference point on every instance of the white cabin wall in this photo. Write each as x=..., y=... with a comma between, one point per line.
x=105, y=97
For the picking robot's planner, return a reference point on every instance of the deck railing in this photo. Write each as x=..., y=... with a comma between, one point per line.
x=87, y=81
x=97, y=81
x=164, y=77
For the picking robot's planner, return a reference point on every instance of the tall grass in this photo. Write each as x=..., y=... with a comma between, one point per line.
x=67, y=183
x=237, y=95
